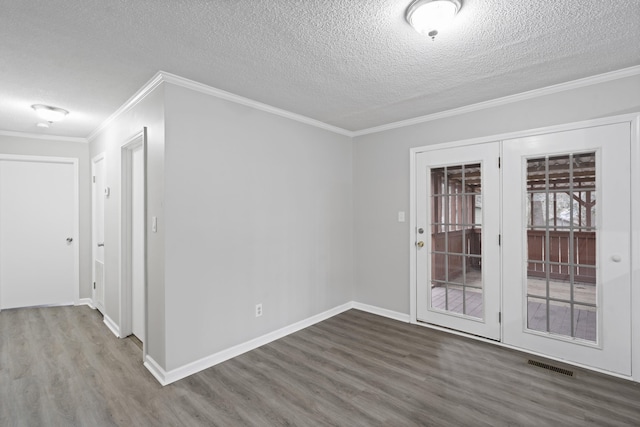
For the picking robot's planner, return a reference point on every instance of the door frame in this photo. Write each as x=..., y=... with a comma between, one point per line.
x=634, y=119
x=126, y=286
x=94, y=239
x=76, y=209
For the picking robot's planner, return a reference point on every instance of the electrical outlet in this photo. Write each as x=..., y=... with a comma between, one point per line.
x=258, y=310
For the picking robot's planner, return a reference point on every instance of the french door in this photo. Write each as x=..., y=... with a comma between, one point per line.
x=542, y=243
x=566, y=245
x=457, y=231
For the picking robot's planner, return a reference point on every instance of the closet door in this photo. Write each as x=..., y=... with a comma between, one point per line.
x=38, y=238
x=566, y=245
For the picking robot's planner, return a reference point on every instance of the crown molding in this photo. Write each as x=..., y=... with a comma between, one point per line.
x=142, y=93
x=218, y=93
x=164, y=77
x=42, y=136
x=548, y=90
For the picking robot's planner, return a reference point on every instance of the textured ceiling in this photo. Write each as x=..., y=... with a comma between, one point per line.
x=351, y=64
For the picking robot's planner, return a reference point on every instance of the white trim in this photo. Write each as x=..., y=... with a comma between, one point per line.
x=165, y=378
x=94, y=240
x=126, y=287
x=44, y=159
x=548, y=90
x=164, y=77
x=176, y=374
x=623, y=118
x=383, y=312
x=156, y=370
x=85, y=301
x=218, y=93
x=131, y=102
x=76, y=227
x=635, y=249
x=413, y=254
x=61, y=304
x=111, y=325
x=43, y=136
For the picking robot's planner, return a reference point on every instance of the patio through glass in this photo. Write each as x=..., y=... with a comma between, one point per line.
x=456, y=239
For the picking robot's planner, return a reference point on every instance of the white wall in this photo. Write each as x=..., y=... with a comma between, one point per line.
x=149, y=112
x=381, y=175
x=54, y=148
x=255, y=208
x=258, y=210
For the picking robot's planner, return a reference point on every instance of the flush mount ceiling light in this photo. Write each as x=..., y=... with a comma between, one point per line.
x=49, y=113
x=430, y=16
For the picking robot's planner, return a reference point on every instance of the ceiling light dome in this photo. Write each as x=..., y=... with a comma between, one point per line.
x=49, y=113
x=431, y=16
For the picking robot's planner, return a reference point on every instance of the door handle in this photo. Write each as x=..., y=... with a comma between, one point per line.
x=420, y=244
x=100, y=244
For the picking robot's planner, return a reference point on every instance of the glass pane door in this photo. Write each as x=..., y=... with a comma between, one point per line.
x=561, y=245
x=456, y=239
x=457, y=233
x=566, y=245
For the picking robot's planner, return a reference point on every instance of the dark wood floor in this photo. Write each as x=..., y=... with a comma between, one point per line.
x=62, y=367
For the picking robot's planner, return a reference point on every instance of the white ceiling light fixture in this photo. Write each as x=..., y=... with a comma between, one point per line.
x=430, y=16
x=49, y=113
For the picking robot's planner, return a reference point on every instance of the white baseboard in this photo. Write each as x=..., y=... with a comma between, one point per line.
x=206, y=362
x=86, y=301
x=155, y=369
x=113, y=327
x=395, y=315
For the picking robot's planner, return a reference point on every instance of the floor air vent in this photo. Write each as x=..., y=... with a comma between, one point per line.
x=551, y=368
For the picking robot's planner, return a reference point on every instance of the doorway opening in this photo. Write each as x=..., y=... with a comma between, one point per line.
x=133, y=228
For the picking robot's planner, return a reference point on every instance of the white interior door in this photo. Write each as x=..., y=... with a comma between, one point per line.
x=98, y=199
x=457, y=232
x=566, y=245
x=137, y=241
x=38, y=227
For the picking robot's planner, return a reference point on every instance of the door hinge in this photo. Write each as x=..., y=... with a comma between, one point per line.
x=499, y=239
x=499, y=165
x=94, y=179
x=94, y=285
x=499, y=317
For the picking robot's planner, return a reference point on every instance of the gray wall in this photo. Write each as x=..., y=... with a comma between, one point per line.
x=78, y=150
x=149, y=112
x=258, y=210
x=381, y=175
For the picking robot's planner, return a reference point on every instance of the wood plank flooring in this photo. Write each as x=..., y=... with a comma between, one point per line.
x=62, y=367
